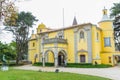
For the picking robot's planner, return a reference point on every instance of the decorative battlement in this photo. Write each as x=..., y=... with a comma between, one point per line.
x=54, y=40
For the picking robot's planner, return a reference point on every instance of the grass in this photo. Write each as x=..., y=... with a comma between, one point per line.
x=35, y=75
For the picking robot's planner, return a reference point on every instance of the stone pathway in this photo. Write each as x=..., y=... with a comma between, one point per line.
x=112, y=73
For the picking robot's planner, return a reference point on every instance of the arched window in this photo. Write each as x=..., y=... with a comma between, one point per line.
x=33, y=44
x=40, y=30
x=81, y=34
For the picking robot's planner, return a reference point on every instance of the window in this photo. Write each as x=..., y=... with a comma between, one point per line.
x=107, y=42
x=109, y=59
x=97, y=35
x=60, y=36
x=81, y=34
x=40, y=30
x=33, y=44
x=46, y=36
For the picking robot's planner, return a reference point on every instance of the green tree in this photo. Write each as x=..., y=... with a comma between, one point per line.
x=2, y=49
x=6, y=49
x=20, y=28
x=115, y=11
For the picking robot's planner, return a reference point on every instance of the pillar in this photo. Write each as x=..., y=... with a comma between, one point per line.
x=43, y=61
x=56, y=61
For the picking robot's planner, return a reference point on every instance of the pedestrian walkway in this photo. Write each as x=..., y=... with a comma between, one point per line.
x=112, y=73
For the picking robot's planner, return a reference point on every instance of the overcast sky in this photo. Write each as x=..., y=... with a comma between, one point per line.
x=50, y=12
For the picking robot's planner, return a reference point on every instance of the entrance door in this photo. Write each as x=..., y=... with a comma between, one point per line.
x=82, y=58
x=61, y=60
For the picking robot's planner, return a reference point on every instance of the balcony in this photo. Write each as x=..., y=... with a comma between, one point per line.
x=55, y=40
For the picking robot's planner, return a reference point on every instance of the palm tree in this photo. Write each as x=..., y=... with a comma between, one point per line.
x=115, y=11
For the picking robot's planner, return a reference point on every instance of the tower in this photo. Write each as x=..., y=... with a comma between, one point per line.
x=41, y=28
x=107, y=37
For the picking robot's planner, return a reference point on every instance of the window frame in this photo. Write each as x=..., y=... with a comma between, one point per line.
x=106, y=42
x=82, y=35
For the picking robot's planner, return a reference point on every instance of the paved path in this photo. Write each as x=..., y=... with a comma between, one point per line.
x=112, y=73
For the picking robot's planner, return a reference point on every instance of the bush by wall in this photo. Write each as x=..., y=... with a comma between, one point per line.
x=40, y=64
x=87, y=65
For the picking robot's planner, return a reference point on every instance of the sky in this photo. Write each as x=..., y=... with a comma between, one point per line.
x=50, y=12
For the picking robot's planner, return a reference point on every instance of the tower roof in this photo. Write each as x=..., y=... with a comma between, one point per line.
x=105, y=16
x=41, y=26
x=74, y=21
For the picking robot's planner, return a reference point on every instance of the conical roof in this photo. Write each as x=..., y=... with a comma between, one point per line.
x=74, y=21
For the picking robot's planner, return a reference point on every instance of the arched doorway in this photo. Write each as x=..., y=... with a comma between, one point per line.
x=116, y=59
x=49, y=57
x=61, y=59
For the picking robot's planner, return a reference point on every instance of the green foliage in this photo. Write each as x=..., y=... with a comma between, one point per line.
x=115, y=10
x=12, y=47
x=40, y=64
x=25, y=19
x=8, y=51
x=36, y=75
x=19, y=24
x=87, y=65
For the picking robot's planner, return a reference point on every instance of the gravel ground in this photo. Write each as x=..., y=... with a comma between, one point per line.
x=112, y=73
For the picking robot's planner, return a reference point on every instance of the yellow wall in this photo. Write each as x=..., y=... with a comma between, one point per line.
x=32, y=51
x=52, y=34
x=107, y=31
x=105, y=58
x=50, y=57
x=82, y=43
x=69, y=35
x=107, y=51
x=96, y=44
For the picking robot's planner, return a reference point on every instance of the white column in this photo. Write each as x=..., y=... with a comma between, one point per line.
x=43, y=60
x=56, y=61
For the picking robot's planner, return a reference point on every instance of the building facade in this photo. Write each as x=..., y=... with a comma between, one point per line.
x=79, y=43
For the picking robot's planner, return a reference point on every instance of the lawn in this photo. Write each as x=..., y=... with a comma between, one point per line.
x=36, y=75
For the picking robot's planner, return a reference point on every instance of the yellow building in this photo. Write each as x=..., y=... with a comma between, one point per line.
x=79, y=43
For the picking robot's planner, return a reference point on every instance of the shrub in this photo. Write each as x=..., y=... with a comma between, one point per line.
x=87, y=65
x=40, y=64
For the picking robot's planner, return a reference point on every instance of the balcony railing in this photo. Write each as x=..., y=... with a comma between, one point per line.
x=54, y=40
